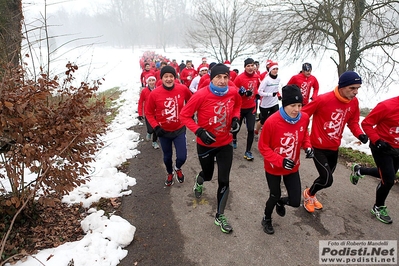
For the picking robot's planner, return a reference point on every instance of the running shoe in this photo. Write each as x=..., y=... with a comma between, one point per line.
x=248, y=155
x=267, y=226
x=169, y=180
x=155, y=145
x=308, y=201
x=381, y=213
x=280, y=208
x=221, y=220
x=355, y=175
x=198, y=188
x=179, y=176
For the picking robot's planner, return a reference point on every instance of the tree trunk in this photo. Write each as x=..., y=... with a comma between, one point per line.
x=354, y=51
x=10, y=31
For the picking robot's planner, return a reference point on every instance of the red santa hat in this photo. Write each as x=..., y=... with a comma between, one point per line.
x=203, y=68
x=227, y=63
x=203, y=58
x=150, y=77
x=268, y=62
x=273, y=65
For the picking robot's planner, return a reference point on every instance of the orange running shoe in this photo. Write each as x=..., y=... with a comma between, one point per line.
x=308, y=201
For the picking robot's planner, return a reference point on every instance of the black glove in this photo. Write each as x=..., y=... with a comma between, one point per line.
x=280, y=98
x=382, y=145
x=257, y=96
x=206, y=137
x=235, y=125
x=140, y=117
x=274, y=94
x=242, y=91
x=363, y=138
x=248, y=93
x=288, y=163
x=159, y=131
x=309, y=153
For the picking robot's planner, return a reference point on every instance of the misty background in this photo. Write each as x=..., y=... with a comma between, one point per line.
x=288, y=31
x=117, y=23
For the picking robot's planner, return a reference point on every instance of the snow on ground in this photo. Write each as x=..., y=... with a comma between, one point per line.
x=105, y=237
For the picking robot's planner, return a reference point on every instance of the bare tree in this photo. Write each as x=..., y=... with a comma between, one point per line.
x=137, y=22
x=160, y=14
x=178, y=24
x=164, y=16
x=10, y=31
x=126, y=18
x=225, y=29
x=355, y=34
x=49, y=127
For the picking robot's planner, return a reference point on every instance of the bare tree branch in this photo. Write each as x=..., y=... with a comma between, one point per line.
x=225, y=30
x=354, y=34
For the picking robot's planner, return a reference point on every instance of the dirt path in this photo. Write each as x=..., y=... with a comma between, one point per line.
x=175, y=228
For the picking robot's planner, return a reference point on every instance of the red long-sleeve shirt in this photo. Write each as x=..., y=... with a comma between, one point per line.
x=142, y=100
x=263, y=75
x=175, y=66
x=280, y=139
x=204, y=81
x=163, y=107
x=305, y=84
x=233, y=75
x=187, y=75
x=251, y=83
x=214, y=114
x=330, y=116
x=383, y=122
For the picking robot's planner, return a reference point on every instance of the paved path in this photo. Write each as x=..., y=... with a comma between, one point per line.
x=175, y=228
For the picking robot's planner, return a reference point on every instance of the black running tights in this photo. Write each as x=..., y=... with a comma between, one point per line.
x=224, y=159
x=293, y=184
x=325, y=162
x=250, y=116
x=387, y=166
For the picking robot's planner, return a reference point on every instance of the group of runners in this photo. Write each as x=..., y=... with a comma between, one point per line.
x=222, y=100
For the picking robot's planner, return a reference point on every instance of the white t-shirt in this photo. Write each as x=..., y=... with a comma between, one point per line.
x=266, y=89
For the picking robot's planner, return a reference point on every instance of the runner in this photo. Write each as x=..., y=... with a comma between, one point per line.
x=331, y=112
x=218, y=108
x=381, y=125
x=282, y=137
x=163, y=111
